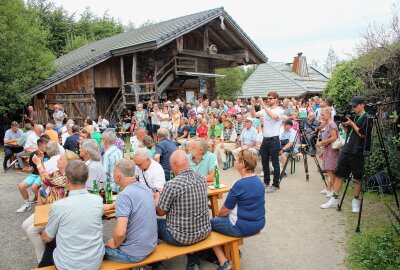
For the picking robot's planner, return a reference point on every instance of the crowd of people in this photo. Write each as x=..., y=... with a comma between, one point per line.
x=173, y=147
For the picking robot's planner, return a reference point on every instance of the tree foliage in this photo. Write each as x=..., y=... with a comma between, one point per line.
x=67, y=34
x=331, y=61
x=344, y=84
x=24, y=56
x=230, y=86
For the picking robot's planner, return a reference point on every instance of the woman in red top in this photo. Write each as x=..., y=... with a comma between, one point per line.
x=202, y=130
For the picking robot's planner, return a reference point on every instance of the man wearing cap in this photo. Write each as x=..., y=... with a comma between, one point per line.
x=288, y=142
x=247, y=139
x=272, y=116
x=351, y=158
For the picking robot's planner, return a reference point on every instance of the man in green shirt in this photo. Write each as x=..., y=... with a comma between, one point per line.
x=201, y=160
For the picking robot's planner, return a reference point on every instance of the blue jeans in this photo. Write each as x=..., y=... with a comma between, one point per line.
x=117, y=255
x=165, y=235
x=224, y=226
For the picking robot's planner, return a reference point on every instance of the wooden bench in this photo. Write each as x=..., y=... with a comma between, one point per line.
x=166, y=251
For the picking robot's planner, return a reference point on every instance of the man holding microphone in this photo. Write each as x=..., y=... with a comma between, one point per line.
x=271, y=114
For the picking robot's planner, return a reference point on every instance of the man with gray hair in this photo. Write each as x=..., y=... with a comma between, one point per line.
x=148, y=170
x=201, y=160
x=77, y=222
x=111, y=155
x=164, y=149
x=135, y=231
x=51, y=132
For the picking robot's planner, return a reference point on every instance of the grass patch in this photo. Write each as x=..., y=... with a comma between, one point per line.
x=377, y=246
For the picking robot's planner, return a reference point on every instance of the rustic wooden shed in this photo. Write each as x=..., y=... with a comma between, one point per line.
x=109, y=75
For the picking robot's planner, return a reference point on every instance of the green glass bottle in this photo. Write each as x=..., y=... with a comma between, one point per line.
x=216, y=177
x=109, y=199
x=95, y=189
x=131, y=152
x=125, y=155
x=171, y=175
x=120, y=189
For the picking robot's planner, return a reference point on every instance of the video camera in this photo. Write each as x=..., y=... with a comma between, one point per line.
x=302, y=122
x=341, y=117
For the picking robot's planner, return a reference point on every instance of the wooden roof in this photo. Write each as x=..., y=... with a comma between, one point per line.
x=142, y=39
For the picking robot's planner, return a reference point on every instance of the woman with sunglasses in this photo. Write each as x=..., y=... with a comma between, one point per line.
x=243, y=213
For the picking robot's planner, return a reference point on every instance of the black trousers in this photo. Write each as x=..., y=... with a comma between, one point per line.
x=8, y=151
x=47, y=259
x=270, y=148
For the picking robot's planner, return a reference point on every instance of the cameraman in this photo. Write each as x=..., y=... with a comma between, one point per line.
x=351, y=158
x=311, y=128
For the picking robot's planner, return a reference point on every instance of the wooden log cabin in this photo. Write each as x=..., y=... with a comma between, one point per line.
x=167, y=60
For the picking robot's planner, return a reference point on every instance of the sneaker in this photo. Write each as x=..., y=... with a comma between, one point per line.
x=225, y=266
x=324, y=191
x=329, y=194
x=194, y=266
x=330, y=204
x=284, y=174
x=271, y=189
x=24, y=207
x=262, y=174
x=355, y=208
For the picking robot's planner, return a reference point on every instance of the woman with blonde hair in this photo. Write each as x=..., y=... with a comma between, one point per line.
x=330, y=157
x=243, y=212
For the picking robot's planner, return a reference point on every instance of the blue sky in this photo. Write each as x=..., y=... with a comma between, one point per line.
x=280, y=28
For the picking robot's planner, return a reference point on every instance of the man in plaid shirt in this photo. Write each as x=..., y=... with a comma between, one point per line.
x=184, y=202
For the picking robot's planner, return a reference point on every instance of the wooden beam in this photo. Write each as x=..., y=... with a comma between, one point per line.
x=134, y=67
x=121, y=61
x=233, y=36
x=205, y=55
x=218, y=37
x=205, y=39
x=179, y=44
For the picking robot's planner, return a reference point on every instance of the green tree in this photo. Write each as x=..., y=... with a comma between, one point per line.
x=230, y=86
x=24, y=58
x=331, y=61
x=344, y=84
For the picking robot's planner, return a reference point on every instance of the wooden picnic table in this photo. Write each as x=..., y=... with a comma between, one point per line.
x=41, y=215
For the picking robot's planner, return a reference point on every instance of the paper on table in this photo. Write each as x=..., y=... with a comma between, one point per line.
x=212, y=186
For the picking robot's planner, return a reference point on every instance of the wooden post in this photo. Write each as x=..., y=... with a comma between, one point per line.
x=134, y=67
x=179, y=44
x=122, y=70
x=205, y=38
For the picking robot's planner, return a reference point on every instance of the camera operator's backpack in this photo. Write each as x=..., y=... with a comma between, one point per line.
x=380, y=182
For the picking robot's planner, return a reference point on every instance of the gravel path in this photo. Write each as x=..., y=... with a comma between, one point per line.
x=298, y=234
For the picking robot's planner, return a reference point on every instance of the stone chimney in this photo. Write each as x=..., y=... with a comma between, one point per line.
x=300, y=65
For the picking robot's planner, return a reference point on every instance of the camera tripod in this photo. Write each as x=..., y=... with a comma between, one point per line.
x=372, y=121
x=303, y=151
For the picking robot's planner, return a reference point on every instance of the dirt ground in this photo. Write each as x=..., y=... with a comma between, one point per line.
x=298, y=234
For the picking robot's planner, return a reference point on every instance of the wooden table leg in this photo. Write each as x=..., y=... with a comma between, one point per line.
x=214, y=205
x=235, y=256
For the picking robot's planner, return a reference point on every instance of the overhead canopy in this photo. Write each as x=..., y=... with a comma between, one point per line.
x=199, y=74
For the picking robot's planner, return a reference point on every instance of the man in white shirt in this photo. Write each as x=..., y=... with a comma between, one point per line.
x=272, y=119
x=148, y=170
x=30, y=144
x=288, y=142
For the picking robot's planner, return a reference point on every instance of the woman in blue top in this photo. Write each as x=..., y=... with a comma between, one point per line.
x=243, y=213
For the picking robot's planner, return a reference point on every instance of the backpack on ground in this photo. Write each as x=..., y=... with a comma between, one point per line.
x=380, y=182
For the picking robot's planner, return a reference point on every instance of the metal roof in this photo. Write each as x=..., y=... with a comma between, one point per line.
x=149, y=37
x=278, y=76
